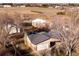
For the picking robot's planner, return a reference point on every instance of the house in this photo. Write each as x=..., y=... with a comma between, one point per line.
x=22, y=6
x=6, y=6
x=42, y=41
x=59, y=7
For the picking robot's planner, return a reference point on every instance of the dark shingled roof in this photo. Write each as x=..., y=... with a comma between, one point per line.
x=54, y=34
x=38, y=38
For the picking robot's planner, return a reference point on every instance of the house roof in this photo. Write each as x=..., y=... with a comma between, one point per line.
x=54, y=34
x=39, y=37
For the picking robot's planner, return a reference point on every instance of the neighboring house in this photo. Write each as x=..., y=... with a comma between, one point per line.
x=11, y=28
x=59, y=7
x=14, y=30
x=6, y=6
x=39, y=23
x=22, y=6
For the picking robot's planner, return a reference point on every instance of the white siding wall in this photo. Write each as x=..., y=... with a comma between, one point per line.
x=42, y=46
x=45, y=44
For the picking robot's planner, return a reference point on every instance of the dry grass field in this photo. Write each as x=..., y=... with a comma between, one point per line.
x=39, y=12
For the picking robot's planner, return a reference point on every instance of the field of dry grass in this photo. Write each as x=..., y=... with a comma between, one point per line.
x=39, y=12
